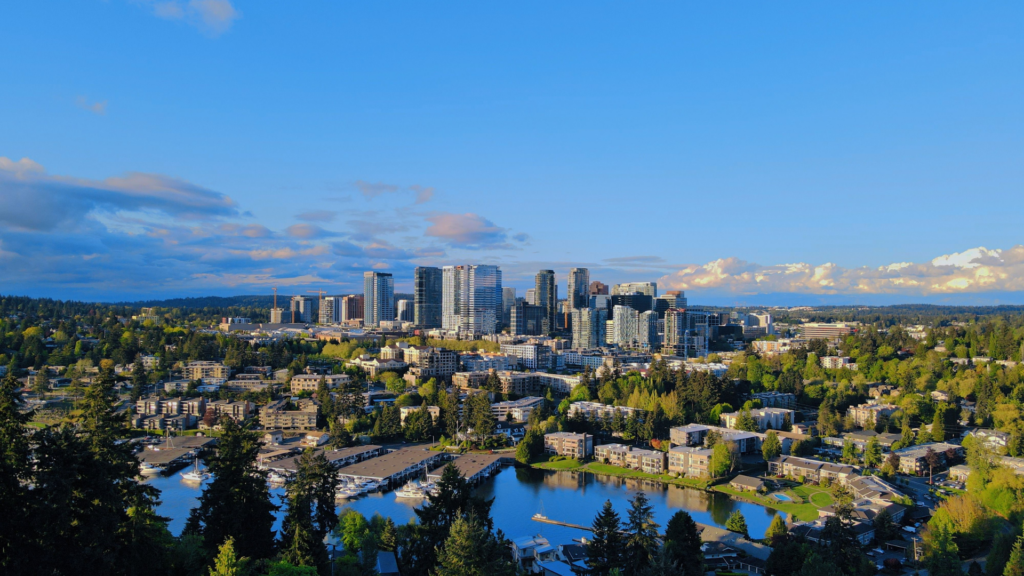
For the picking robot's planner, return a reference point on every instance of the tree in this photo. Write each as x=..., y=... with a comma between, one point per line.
x=933, y=460
x=885, y=528
x=354, y=529
x=15, y=473
x=873, y=453
x=746, y=422
x=139, y=377
x=471, y=550
x=41, y=385
x=737, y=523
x=777, y=530
x=310, y=513
x=771, y=448
x=683, y=545
x=237, y=502
x=816, y=565
x=941, y=553
x=1015, y=564
x=605, y=552
x=642, y=535
x=529, y=447
x=723, y=458
x=850, y=452
x=787, y=423
x=389, y=423
x=227, y=562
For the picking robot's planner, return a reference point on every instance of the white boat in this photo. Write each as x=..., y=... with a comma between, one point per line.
x=275, y=478
x=411, y=490
x=195, y=475
x=147, y=469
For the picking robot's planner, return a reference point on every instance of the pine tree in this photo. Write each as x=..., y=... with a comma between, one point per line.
x=737, y=523
x=771, y=448
x=642, y=538
x=683, y=545
x=15, y=472
x=776, y=530
x=310, y=516
x=942, y=554
x=1015, y=564
x=471, y=550
x=41, y=385
x=237, y=502
x=873, y=453
x=227, y=562
x=606, y=550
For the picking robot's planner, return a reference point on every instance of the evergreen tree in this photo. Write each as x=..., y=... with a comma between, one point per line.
x=367, y=557
x=41, y=385
x=471, y=550
x=310, y=515
x=237, y=502
x=642, y=535
x=737, y=523
x=1015, y=564
x=942, y=554
x=606, y=551
x=15, y=473
x=389, y=423
x=139, y=377
x=771, y=448
x=227, y=562
x=777, y=530
x=873, y=453
x=683, y=545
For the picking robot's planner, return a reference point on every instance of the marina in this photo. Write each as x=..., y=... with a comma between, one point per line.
x=391, y=469
x=474, y=467
x=344, y=457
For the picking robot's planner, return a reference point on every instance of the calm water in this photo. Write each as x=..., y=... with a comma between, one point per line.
x=518, y=494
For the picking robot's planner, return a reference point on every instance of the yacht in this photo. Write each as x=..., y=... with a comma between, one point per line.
x=195, y=475
x=411, y=490
x=147, y=469
x=275, y=478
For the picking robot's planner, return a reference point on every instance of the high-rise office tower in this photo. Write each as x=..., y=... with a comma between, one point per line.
x=626, y=325
x=588, y=327
x=471, y=299
x=482, y=304
x=508, y=300
x=646, y=288
x=677, y=298
x=378, y=298
x=546, y=297
x=303, y=310
x=579, y=289
x=598, y=288
x=352, y=307
x=526, y=319
x=404, y=310
x=636, y=301
x=427, y=294
x=687, y=332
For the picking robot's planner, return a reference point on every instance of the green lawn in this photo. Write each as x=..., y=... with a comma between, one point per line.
x=608, y=469
x=567, y=464
x=820, y=497
x=804, y=512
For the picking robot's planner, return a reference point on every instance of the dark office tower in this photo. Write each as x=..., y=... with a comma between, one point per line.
x=671, y=299
x=546, y=297
x=579, y=287
x=508, y=300
x=598, y=288
x=527, y=319
x=427, y=290
x=636, y=301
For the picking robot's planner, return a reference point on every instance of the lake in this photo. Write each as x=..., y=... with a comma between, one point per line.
x=519, y=493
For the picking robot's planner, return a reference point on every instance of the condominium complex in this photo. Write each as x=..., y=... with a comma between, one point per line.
x=578, y=285
x=303, y=310
x=867, y=414
x=330, y=310
x=766, y=418
x=471, y=299
x=625, y=326
x=569, y=444
x=599, y=411
x=775, y=399
x=531, y=356
x=649, y=461
x=378, y=298
x=589, y=327
x=428, y=293
x=311, y=382
x=687, y=332
x=546, y=296
x=277, y=415
x=519, y=410
x=689, y=461
x=812, y=470
x=205, y=370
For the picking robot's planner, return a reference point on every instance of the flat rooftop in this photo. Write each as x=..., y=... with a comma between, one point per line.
x=292, y=464
x=389, y=464
x=163, y=457
x=469, y=465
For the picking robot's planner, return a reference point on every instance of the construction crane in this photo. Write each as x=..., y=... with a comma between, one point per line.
x=320, y=301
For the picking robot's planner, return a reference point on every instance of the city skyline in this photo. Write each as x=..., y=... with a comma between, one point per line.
x=880, y=167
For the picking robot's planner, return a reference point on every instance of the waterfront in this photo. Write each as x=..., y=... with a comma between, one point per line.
x=519, y=493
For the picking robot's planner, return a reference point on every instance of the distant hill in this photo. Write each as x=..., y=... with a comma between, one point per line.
x=252, y=301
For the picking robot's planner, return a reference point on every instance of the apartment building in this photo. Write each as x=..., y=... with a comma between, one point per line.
x=569, y=444
x=482, y=362
x=649, y=461
x=519, y=410
x=868, y=413
x=277, y=415
x=430, y=362
x=599, y=411
x=311, y=382
x=521, y=383
x=766, y=418
x=696, y=434
x=170, y=406
x=434, y=411
x=394, y=351
x=205, y=369
x=913, y=459
x=531, y=356
x=837, y=363
x=812, y=470
x=689, y=461
x=776, y=347
x=775, y=400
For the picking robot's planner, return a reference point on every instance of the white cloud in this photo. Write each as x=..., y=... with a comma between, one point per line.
x=211, y=16
x=970, y=271
x=99, y=108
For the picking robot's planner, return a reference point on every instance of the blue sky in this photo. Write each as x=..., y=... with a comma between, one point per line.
x=748, y=152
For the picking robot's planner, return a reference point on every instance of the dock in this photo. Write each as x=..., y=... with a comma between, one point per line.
x=546, y=520
x=474, y=467
x=395, y=467
x=340, y=458
x=167, y=456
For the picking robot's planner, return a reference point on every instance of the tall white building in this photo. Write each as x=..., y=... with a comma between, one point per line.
x=588, y=327
x=404, y=311
x=303, y=310
x=471, y=299
x=626, y=324
x=378, y=298
x=531, y=296
x=645, y=288
x=687, y=331
x=330, y=310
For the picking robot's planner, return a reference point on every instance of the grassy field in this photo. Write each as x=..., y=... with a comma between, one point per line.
x=546, y=464
x=803, y=512
x=820, y=497
x=609, y=470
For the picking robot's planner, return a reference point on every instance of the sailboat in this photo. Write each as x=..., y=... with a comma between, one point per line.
x=195, y=475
